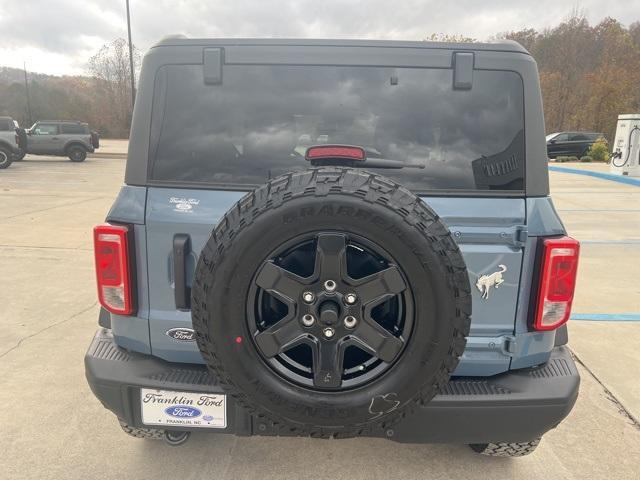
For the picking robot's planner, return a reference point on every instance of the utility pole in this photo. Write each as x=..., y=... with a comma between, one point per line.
x=133, y=82
x=26, y=87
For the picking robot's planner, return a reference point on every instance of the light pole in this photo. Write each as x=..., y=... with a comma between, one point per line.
x=133, y=82
x=26, y=88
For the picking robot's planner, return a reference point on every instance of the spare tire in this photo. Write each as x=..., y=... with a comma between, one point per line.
x=6, y=157
x=95, y=139
x=22, y=139
x=330, y=302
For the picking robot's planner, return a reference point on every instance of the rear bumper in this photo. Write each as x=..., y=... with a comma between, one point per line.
x=512, y=407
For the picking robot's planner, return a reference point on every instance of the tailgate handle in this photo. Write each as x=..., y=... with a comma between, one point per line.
x=181, y=250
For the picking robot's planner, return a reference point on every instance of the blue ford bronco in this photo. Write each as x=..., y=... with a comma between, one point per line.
x=336, y=239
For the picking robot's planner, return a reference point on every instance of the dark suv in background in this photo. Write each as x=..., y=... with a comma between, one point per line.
x=62, y=138
x=570, y=143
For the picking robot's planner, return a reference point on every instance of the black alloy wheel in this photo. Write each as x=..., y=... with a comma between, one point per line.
x=330, y=311
x=5, y=158
x=77, y=154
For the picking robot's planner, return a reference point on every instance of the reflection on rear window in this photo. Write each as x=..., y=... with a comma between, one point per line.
x=259, y=122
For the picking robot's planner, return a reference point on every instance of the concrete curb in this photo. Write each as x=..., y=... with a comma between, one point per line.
x=108, y=155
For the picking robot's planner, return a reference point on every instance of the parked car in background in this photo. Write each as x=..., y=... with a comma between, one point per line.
x=63, y=138
x=9, y=148
x=571, y=144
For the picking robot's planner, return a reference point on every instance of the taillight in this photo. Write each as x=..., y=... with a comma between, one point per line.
x=335, y=151
x=557, y=282
x=113, y=268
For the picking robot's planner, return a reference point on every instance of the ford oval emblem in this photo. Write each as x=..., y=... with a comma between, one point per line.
x=182, y=411
x=182, y=334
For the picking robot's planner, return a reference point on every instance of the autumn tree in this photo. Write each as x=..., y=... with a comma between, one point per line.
x=634, y=32
x=110, y=69
x=610, y=88
x=587, y=73
x=445, y=37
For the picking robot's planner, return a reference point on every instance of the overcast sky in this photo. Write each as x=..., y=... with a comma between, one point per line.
x=58, y=36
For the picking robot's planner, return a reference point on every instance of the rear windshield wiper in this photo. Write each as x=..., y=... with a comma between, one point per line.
x=350, y=156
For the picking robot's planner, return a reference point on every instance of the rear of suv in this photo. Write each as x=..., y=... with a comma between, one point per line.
x=61, y=138
x=9, y=139
x=336, y=239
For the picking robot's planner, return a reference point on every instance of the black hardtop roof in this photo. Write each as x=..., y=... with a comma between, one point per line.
x=501, y=46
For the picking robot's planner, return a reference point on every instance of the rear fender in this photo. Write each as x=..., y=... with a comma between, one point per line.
x=78, y=143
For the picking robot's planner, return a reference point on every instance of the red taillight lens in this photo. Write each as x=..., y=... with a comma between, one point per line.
x=113, y=272
x=557, y=282
x=335, y=151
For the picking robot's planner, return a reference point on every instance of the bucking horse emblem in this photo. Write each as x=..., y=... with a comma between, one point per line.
x=485, y=282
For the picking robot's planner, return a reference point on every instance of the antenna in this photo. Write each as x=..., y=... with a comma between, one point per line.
x=133, y=82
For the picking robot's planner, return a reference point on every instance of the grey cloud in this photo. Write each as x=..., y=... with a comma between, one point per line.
x=410, y=19
x=58, y=26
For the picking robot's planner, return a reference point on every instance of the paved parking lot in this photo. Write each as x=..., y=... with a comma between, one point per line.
x=53, y=427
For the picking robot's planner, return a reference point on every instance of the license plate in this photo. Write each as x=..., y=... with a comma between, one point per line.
x=170, y=408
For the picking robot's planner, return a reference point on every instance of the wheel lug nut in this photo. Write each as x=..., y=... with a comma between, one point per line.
x=350, y=321
x=329, y=332
x=350, y=298
x=330, y=285
x=308, y=320
x=308, y=297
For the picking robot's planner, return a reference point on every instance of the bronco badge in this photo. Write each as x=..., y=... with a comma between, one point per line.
x=485, y=282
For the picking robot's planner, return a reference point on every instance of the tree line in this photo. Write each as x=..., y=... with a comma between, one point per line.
x=588, y=74
x=102, y=97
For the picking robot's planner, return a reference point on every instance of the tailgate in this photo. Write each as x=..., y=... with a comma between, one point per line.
x=489, y=232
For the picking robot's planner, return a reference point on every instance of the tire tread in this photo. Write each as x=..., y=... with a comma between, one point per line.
x=506, y=449
x=138, y=432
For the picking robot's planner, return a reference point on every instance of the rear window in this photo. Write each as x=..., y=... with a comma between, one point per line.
x=259, y=122
x=70, y=128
